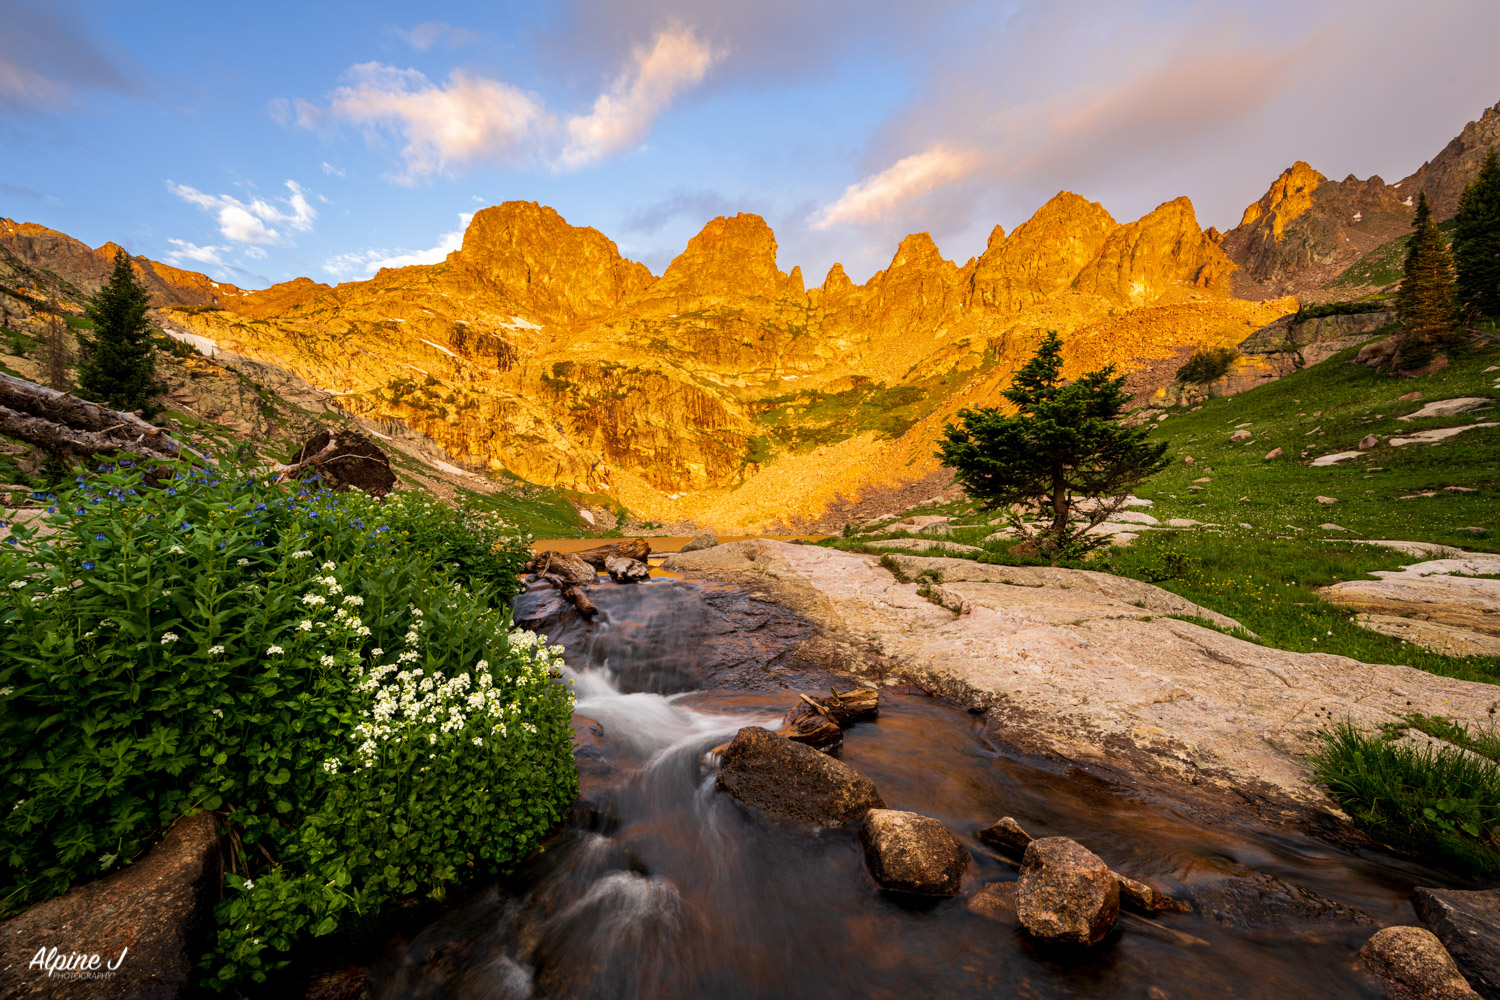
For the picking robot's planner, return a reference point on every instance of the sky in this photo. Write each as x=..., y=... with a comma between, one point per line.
x=258, y=143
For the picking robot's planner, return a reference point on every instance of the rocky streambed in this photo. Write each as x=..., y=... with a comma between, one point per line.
x=1042, y=806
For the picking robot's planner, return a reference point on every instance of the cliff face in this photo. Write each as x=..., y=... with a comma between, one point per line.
x=86, y=269
x=724, y=390
x=1307, y=230
x=1445, y=175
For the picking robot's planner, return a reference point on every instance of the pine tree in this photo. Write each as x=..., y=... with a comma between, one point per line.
x=117, y=364
x=1476, y=241
x=1425, y=302
x=1063, y=443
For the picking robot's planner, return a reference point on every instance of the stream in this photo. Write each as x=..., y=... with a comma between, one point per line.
x=662, y=887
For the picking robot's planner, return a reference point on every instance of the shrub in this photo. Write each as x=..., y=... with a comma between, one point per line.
x=335, y=674
x=1207, y=365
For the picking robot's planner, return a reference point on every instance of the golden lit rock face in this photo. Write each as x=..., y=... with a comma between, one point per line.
x=723, y=390
x=1288, y=197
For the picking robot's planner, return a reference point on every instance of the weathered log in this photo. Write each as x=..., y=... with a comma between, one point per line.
x=566, y=566
x=629, y=548
x=820, y=722
x=841, y=707
x=70, y=427
x=579, y=600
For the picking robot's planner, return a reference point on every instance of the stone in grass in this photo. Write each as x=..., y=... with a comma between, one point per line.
x=1188, y=459
x=1066, y=895
x=1274, y=453
x=1326, y=500
x=1367, y=442
x=912, y=854
x=1241, y=436
x=1330, y=526
x=1468, y=924
x=1413, y=965
x=794, y=781
x=1409, y=397
x=159, y=908
x=702, y=540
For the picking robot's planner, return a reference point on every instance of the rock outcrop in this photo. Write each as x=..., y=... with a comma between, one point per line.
x=1468, y=925
x=148, y=920
x=793, y=781
x=1445, y=176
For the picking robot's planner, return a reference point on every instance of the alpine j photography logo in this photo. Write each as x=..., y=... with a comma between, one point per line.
x=75, y=964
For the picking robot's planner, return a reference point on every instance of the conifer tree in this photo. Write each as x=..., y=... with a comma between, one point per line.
x=1425, y=302
x=117, y=364
x=1476, y=241
x=1064, y=442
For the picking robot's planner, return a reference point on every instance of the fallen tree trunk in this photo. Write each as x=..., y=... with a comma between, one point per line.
x=820, y=722
x=74, y=428
x=630, y=548
x=572, y=593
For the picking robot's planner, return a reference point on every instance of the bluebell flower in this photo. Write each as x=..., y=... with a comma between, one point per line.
x=88, y=564
x=98, y=538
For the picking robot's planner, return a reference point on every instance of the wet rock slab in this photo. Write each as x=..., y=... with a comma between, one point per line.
x=157, y=908
x=794, y=781
x=1468, y=924
x=909, y=853
x=1067, y=895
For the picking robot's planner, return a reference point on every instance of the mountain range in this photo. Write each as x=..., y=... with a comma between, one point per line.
x=728, y=392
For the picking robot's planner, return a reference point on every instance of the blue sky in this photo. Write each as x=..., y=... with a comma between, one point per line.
x=262, y=142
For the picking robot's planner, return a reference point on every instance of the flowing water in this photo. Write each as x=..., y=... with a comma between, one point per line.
x=662, y=887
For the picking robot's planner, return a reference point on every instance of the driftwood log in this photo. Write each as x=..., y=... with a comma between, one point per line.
x=622, y=570
x=73, y=428
x=820, y=722
x=630, y=548
x=569, y=574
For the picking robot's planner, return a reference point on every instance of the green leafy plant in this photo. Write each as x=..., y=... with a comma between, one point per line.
x=1207, y=365
x=336, y=675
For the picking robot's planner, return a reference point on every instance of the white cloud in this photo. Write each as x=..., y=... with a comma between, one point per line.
x=252, y=221
x=332, y=171
x=364, y=263
x=622, y=116
x=192, y=253
x=908, y=178
x=471, y=119
x=429, y=33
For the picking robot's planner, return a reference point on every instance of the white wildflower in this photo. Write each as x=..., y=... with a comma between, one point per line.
x=355, y=600
x=274, y=649
x=327, y=661
x=242, y=562
x=327, y=565
x=18, y=585
x=249, y=883
x=304, y=626
x=301, y=554
x=167, y=638
x=215, y=650
x=313, y=599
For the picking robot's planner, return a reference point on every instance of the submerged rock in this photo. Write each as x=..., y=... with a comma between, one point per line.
x=1260, y=900
x=1413, y=965
x=1066, y=894
x=702, y=540
x=158, y=908
x=1006, y=834
x=911, y=853
x=794, y=781
x=1468, y=924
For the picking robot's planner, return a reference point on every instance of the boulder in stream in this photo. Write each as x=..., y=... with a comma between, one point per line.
x=158, y=908
x=794, y=781
x=1468, y=924
x=909, y=853
x=1066, y=895
x=1413, y=965
x=560, y=568
x=1006, y=834
x=622, y=570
